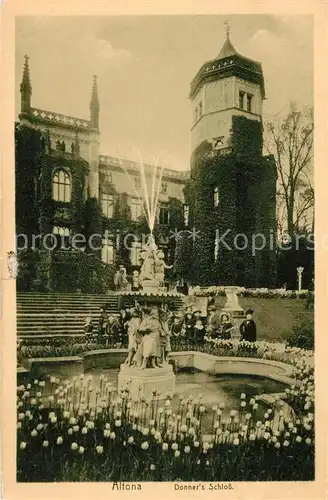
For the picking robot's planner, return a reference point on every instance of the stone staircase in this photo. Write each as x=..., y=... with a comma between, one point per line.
x=45, y=314
x=58, y=314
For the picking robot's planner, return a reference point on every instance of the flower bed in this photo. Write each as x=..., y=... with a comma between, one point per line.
x=72, y=347
x=77, y=432
x=267, y=293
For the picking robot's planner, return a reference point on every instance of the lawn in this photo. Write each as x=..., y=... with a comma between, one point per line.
x=274, y=317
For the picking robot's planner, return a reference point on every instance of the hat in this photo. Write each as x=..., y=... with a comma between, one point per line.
x=249, y=311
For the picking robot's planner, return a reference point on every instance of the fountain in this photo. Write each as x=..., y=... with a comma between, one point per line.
x=142, y=374
x=146, y=370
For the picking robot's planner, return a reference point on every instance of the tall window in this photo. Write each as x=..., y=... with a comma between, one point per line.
x=107, y=252
x=249, y=102
x=109, y=177
x=135, y=253
x=61, y=186
x=164, y=215
x=216, y=246
x=216, y=197
x=135, y=209
x=164, y=187
x=200, y=109
x=241, y=99
x=107, y=205
x=137, y=182
x=186, y=214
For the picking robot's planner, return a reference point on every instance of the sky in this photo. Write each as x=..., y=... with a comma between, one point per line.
x=145, y=65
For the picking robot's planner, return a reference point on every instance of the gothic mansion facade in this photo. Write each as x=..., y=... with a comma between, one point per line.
x=230, y=186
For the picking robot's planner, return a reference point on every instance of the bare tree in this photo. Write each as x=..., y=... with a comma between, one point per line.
x=290, y=140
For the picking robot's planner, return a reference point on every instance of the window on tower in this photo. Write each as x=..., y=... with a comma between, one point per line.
x=249, y=102
x=61, y=186
x=218, y=142
x=107, y=205
x=241, y=99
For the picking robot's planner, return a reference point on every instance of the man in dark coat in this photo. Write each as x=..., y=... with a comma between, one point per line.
x=248, y=327
x=213, y=322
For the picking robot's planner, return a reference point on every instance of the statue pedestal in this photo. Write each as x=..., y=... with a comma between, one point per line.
x=144, y=382
x=150, y=286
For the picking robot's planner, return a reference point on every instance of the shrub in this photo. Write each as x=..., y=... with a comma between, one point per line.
x=302, y=335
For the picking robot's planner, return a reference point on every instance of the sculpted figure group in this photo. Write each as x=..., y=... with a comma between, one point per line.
x=149, y=338
x=153, y=266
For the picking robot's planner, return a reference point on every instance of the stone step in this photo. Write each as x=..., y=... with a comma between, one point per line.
x=48, y=314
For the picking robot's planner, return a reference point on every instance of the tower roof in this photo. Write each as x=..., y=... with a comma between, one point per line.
x=26, y=81
x=228, y=63
x=227, y=50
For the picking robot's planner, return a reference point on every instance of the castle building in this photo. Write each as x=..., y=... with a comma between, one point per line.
x=228, y=199
x=107, y=178
x=233, y=186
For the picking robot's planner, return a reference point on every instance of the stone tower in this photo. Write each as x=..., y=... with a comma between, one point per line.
x=230, y=85
x=232, y=186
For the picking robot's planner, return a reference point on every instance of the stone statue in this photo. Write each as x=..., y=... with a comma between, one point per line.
x=120, y=279
x=160, y=267
x=149, y=348
x=153, y=265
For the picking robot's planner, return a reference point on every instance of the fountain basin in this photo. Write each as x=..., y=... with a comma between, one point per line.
x=208, y=363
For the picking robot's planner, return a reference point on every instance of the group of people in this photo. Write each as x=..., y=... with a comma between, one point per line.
x=130, y=329
x=194, y=327
x=111, y=327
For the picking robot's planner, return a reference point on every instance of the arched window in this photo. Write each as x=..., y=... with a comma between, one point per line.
x=61, y=186
x=62, y=237
x=216, y=197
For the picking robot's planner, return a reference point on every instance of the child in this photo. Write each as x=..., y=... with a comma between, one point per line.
x=199, y=332
x=88, y=326
x=226, y=327
x=176, y=327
